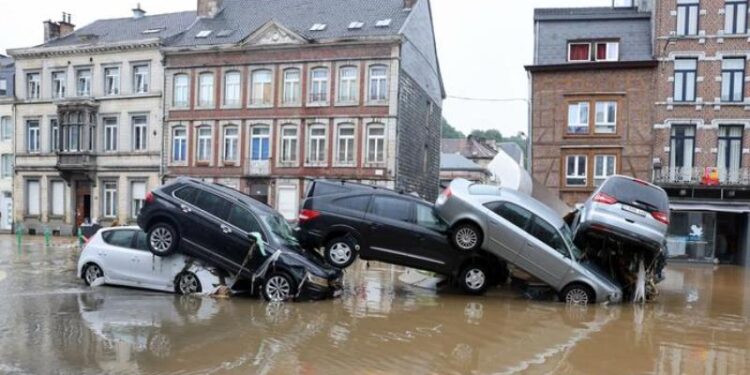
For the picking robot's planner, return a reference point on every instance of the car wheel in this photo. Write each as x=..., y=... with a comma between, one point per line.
x=91, y=273
x=188, y=283
x=341, y=252
x=467, y=237
x=577, y=294
x=278, y=287
x=474, y=279
x=162, y=239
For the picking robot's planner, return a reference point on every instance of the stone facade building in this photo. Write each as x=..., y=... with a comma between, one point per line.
x=262, y=100
x=592, y=93
x=7, y=111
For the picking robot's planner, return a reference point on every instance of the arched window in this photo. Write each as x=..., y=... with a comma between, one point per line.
x=291, y=86
x=260, y=142
x=261, y=87
x=203, y=149
x=289, y=141
x=319, y=85
x=376, y=143
x=206, y=90
x=231, y=137
x=179, y=144
x=180, y=90
x=378, y=83
x=348, y=84
x=232, y=89
x=345, y=144
x=317, y=147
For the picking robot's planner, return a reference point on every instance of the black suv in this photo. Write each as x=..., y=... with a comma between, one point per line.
x=350, y=220
x=215, y=223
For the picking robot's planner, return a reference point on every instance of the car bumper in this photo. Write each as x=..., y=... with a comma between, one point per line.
x=316, y=292
x=603, y=229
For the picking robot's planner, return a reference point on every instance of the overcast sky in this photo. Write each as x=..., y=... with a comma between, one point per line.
x=483, y=46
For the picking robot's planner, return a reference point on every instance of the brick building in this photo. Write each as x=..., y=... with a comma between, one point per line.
x=261, y=95
x=592, y=89
x=702, y=116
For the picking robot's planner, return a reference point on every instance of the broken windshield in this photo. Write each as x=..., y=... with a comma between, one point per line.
x=281, y=229
x=568, y=238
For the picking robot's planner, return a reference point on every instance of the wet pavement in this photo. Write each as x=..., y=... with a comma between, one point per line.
x=51, y=323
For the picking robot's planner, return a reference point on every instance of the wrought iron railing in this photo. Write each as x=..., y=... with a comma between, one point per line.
x=703, y=176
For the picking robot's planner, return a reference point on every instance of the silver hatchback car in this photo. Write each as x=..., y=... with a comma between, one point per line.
x=526, y=233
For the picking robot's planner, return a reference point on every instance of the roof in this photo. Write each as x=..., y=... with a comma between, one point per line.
x=456, y=162
x=298, y=16
x=5, y=61
x=469, y=147
x=119, y=30
x=588, y=13
x=513, y=150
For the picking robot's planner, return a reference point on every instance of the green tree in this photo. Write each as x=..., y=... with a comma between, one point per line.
x=450, y=132
x=488, y=134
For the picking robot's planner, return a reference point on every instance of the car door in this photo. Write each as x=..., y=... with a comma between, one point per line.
x=546, y=252
x=120, y=263
x=508, y=223
x=349, y=213
x=236, y=240
x=432, y=241
x=204, y=224
x=155, y=272
x=390, y=231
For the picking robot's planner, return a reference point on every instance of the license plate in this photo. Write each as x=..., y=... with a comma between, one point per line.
x=634, y=210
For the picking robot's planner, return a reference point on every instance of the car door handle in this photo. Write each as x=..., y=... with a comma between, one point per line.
x=186, y=209
x=226, y=229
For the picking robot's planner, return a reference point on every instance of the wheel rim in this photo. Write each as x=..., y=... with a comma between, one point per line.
x=475, y=278
x=278, y=289
x=466, y=238
x=92, y=273
x=161, y=239
x=340, y=253
x=577, y=296
x=188, y=284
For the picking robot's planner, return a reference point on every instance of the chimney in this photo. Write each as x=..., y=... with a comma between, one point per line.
x=408, y=4
x=51, y=30
x=138, y=13
x=66, y=27
x=209, y=8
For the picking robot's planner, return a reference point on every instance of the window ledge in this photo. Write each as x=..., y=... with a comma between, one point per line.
x=202, y=163
x=231, y=106
x=205, y=108
x=290, y=105
x=592, y=135
x=377, y=103
x=347, y=104
x=316, y=165
x=318, y=104
x=288, y=165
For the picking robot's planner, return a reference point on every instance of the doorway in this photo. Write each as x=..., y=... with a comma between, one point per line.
x=83, y=202
x=6, y=215
x=728, y=238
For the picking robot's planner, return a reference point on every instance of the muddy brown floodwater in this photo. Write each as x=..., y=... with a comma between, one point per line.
x=50, y=323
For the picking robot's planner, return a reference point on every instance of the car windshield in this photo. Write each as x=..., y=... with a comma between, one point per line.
x=631, y=191
x=280, y=229
x=568, y=238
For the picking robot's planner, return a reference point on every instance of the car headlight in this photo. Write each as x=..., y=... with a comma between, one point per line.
x=317, y=280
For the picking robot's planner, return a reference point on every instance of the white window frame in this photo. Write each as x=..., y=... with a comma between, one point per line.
x=377, y=81
x=55, y=201
x=140, y=132
x=348, y=87
x=576, y=173
x=6, y=171
x=32, y=136
x=686, y=8
x=109, y=199
x=33, y=85
x=319, y=87
x=54, y=135
x=206, y=90
x=110, y=134
x=141, y=86
x=59, y=83
x=606, y=123
x=182, y=145
x=137, y=201
x=291, y=94
x=3, y=87
x=317, y=144
x=613, y=51
x=37, y=211
x=258, y=97
x=260, y=131
x=111, y=80
x=6, y=128
x=232, y=93
x=83, y=82
x=379, y=142
x=349, y=147
x=204, y=144
x=608, y=159
x=570, y=47
x=733, y=23
x=180, y=90
x=230, y=144
x=289, y=144
x=579, y=124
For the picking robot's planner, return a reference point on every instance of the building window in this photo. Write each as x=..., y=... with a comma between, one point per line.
x=180, y=94
x=260, y=82
x=319, y=85
x=6, y=128
x=204, y=144
x=3, y=87
x=289, y=144
x=7, y=165
x=316, y=144
x=110, y=134
x=735, y=17
x=32, y=136
x=83, y=82
x=729, y=156
x=231, y=135
x=575, y=170
x=179, y=144
x=232, y=84
x=375, y=144
x=33, y=85
x=140, y=78
x=604, y=167
x=578, y=118
x=682, y=150
x=140, y=133
x=54, y=135
x=579, y=52
x=260, y=143
x=291, y=86
x=112, y=81
x=59, y=80
x=733, y=80
x=348, y=84
x=33, y=198
x=345, y=144
x=687, y=17
x=378, y=83
x=57, y=198
x=606, y=117
x=206, y=90
x=138, y=197
x=109, y=202
x=685, y=74
x=607, y=51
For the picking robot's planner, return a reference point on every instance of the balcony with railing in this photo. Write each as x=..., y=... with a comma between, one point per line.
x=76, y=161
x=696, y=176
x=258, y=167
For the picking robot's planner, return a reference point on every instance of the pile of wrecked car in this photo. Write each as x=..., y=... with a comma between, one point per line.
x=205, y=236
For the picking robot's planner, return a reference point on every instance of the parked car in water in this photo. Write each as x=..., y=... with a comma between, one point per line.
x=217, y=225
x=351, y=220
x=525, y=233
x=120, y=256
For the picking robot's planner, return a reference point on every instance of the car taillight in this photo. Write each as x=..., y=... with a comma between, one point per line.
x=307, y=215
x=447, y=193
x=660, y=216
x=150, y=197
x=604, y=198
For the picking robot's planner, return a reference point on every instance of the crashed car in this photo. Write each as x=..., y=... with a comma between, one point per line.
x=227, y=229
x=120, y=256
x=623, y=225
x=526, y=234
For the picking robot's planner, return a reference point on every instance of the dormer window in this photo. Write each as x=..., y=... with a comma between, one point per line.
x=579, y=52
x=356, y=25
x=607, y=51
x=204, y=34
x=593, y=51
x=318, y=27
x=383, y=23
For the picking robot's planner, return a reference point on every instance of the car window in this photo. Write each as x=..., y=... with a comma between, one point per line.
x=427, y=218
x=391, y=208
x=243, y=219
x=121, y=238
x=212, y=204
x=516, y=215
x=546, y=233
x=140, y=241
x=358, y=203
x=633, y=192
x=320, y=189
x=187, y=194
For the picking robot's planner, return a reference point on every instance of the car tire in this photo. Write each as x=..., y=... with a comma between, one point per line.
x=278, y=287
x=577, y=294
x=474, y=279
x=341, y=252
x=162, y=239
x=187, y=283
x=91, y=272
x=467, y=237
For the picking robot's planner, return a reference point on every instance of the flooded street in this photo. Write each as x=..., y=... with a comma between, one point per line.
x=51, y=323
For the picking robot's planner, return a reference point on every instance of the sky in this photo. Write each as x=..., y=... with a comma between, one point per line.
x=483, y=46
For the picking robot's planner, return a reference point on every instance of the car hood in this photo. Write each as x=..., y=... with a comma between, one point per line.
x=312, y=262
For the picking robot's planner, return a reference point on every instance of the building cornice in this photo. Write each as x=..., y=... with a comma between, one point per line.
x=250, y=47
x=41, y=52
x=588, y=66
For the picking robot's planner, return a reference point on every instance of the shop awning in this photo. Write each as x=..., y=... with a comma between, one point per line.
x=734, y=208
